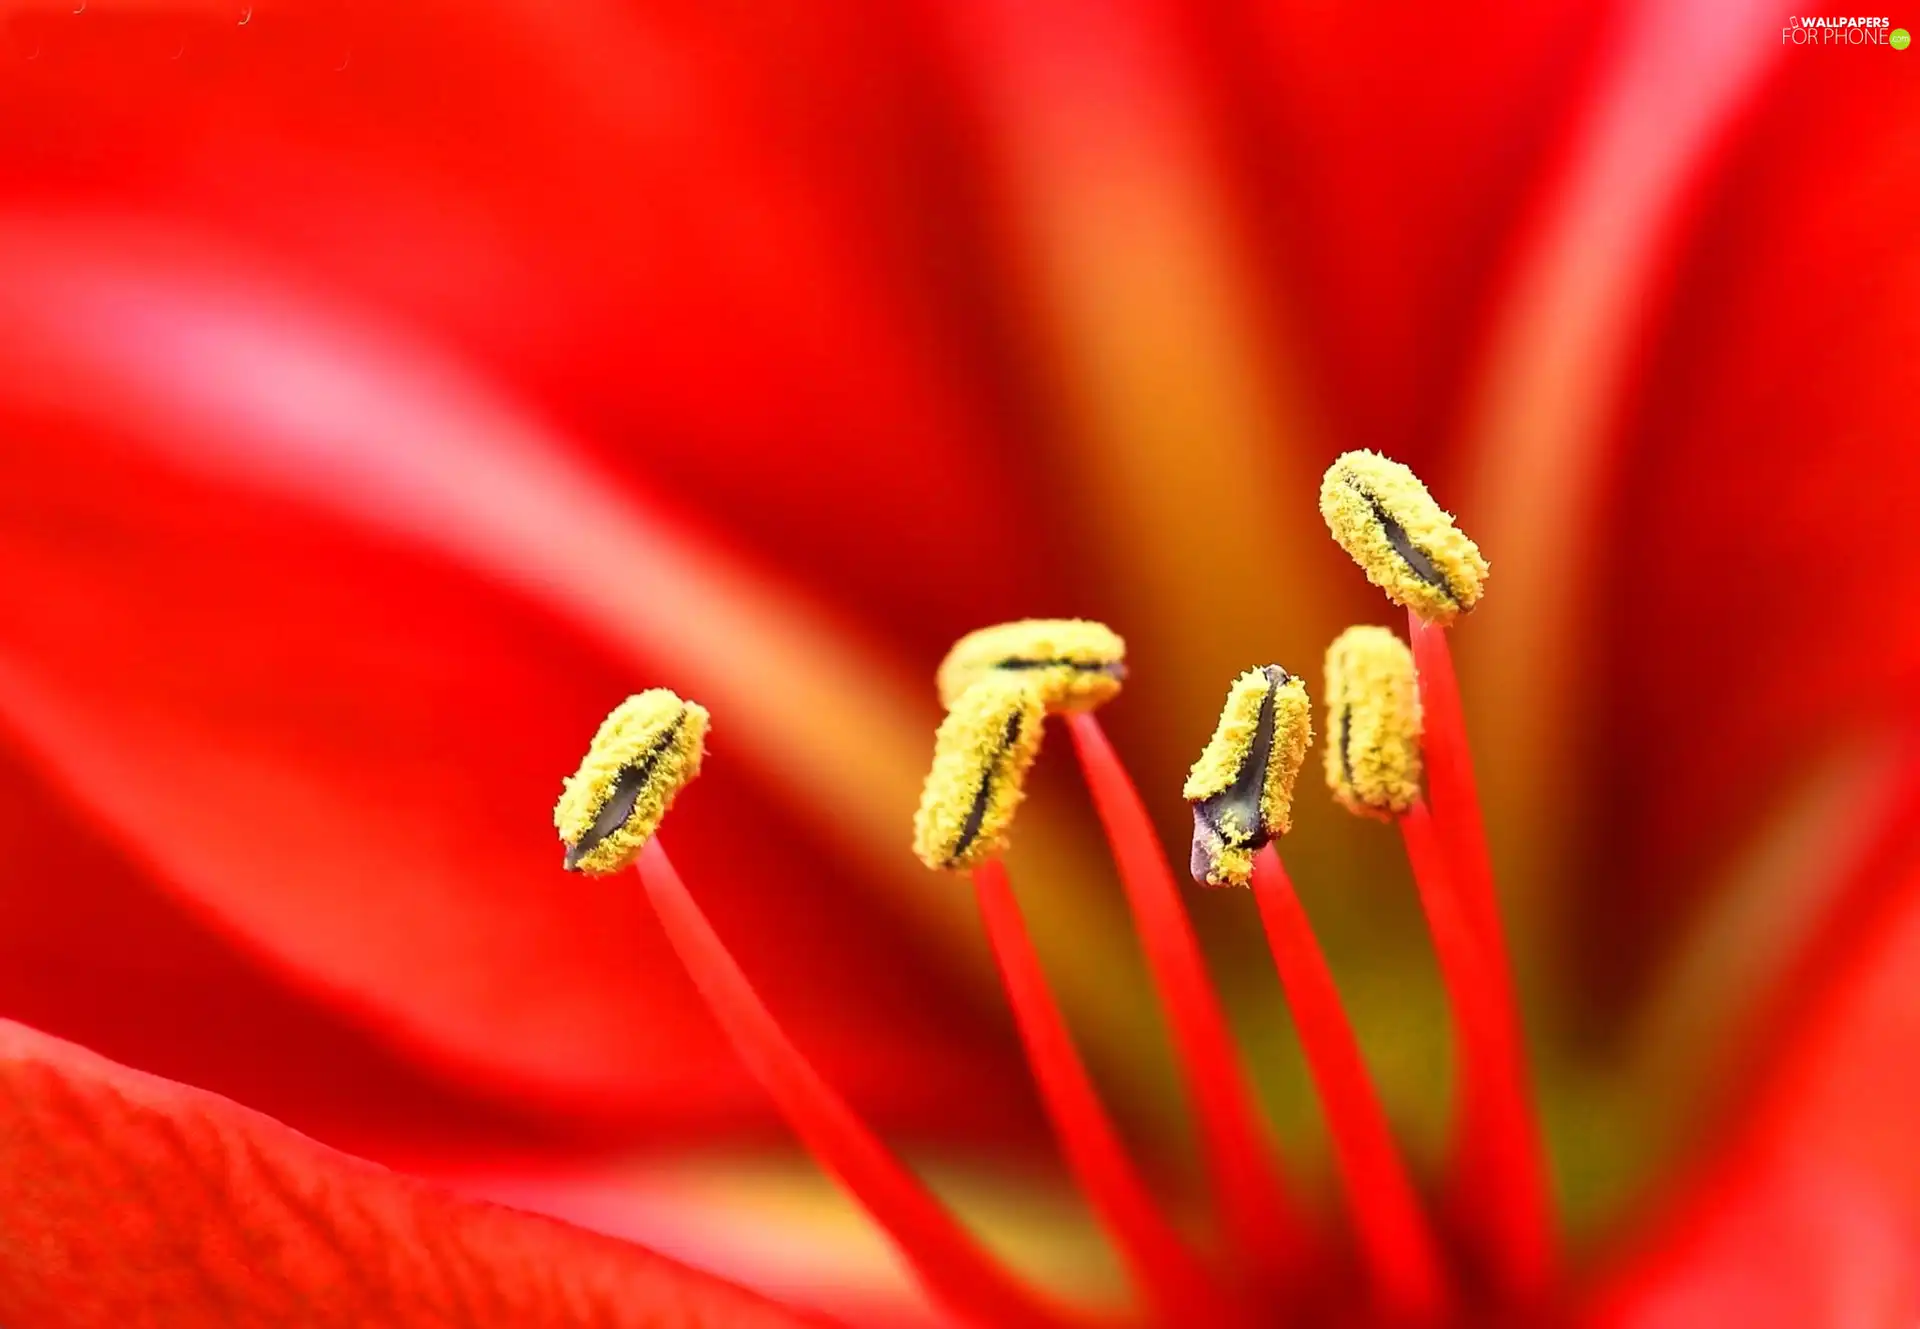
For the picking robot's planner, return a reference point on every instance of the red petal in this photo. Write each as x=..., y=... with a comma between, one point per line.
x=1783, y=1243
x=693, y=232
x=92, y=952
x=1387, y=187
x=344, y=747
x=1766, y=510
x=1812, y=1217
x=132, y=1202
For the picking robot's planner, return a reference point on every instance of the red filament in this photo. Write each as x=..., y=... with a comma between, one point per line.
x=1169, y=1275
x=1499, y=1181
x=1259, y=1216
x=1394, y=1236
x=953, y=1267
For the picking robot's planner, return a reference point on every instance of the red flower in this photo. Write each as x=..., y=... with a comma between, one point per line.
x=388, y=391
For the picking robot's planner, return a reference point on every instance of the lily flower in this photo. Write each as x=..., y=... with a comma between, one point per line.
x=229, y=1215
x=387, y=392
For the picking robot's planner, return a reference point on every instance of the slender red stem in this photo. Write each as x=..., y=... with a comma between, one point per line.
x=1259, y=1216
x=1500, y=1178
x=1500, y=1174
x=956, y=1271
x=1394, y=1235
x=1450, y=779
x=1166, y=1272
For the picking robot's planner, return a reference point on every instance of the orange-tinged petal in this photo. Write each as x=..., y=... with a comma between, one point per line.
x=93, y=952
x=1095, y=138
x=1387, y=168
x=711, y=239
x=133, y=1203
x=1543, y=427
x=342, y=753
x=775, y=1222
x=341, y=746
x=253, y=392
x=1766, y=506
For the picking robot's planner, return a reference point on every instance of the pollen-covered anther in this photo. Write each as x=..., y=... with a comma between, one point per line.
x=1242, y=786
x=647, y=750
x=981, y=756
x=1373, y=723
x=1074, y=663
x=1408, y=546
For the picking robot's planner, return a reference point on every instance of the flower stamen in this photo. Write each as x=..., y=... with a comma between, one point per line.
x=1386, y=520
x=647, y=749
x=981, y=756
x=953, y=1267
x=1373, y=710
x=1002, y=681
x=645, y=752
x=1408, y=546
x=1241, y=788
x=1261, y=1220
x=1163, y=1269
x=1022, y=671
x=1076, y=664
x=1242, y=792
x=1395, y=1237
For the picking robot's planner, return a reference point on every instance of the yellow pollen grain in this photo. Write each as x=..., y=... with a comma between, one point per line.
x=646, y=751
x=1373, y=723
x=1075, y=663
x=1406, y=543
x=1241, y=788
x=981, y=756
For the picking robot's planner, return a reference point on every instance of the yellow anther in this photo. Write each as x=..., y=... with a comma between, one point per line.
x=647, y=750
x=1373, y=723
x=1075, y=664
x=1242, y=786
x=981, y=756
x=1404, y=541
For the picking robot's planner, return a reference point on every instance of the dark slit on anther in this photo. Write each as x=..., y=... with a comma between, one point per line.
x=1346, y=733
x=1112, y=668
x=627, y=787
x=1411, y=554
x=977, y=814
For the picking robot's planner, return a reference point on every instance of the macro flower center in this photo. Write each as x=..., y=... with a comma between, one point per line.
x=1397, y=753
